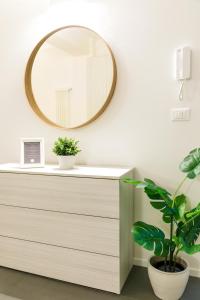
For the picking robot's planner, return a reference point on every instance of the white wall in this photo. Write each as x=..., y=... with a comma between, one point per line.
x=136, y=128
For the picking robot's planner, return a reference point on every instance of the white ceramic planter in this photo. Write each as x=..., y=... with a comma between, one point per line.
x=66, y=162
x=166, y=285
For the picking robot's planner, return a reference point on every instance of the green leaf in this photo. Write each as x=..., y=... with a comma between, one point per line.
x=191, y=249
x=155, y=191
x=180, y=204
x=151, y=238
x=191, y=164
x=166, y=218
x=159, y=197
x=192, y=213
x=137, y=183
x=188, y=230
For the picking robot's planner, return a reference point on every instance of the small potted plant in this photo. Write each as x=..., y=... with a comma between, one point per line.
x=169, y=273
x=66, y=149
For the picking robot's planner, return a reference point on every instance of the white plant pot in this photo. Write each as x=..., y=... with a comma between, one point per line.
x=66, y=162
x=166, y=285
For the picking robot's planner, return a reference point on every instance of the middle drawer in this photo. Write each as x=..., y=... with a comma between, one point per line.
x=93, y=234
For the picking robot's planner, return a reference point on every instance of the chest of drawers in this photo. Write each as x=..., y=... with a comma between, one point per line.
x=70, y=225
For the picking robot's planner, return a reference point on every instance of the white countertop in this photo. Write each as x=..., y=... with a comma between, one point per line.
x=77, y=171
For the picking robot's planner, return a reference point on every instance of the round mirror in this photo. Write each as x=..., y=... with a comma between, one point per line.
x=70, y=77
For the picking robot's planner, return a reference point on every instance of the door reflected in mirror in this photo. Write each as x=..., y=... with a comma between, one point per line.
x=70, y=77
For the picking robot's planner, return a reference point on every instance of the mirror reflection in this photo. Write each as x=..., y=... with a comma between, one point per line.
x=73, y=77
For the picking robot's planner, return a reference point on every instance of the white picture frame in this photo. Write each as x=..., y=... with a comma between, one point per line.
x=32, y=153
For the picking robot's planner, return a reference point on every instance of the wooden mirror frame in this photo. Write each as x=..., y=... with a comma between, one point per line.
x=28, y=83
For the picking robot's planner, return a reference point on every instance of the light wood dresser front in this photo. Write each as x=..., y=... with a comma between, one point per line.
x=70, y=225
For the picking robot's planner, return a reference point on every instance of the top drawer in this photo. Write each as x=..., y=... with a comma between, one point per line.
x=88, y=196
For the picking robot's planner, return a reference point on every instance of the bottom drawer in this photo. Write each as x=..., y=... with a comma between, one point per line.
x=88, y=269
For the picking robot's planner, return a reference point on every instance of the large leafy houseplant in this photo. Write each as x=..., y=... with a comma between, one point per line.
x=184, y=225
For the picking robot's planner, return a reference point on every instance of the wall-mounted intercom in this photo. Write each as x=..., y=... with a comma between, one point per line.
x=183, y=67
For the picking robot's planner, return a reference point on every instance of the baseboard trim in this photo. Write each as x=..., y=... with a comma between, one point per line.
x=141, y=262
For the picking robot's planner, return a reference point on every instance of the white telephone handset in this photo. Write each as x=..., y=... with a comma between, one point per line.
x=183, y=67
